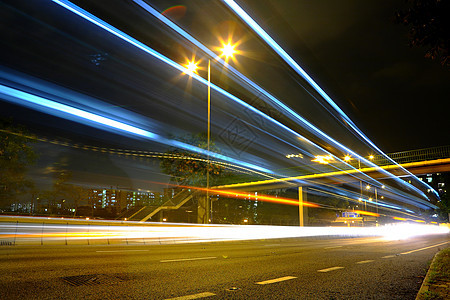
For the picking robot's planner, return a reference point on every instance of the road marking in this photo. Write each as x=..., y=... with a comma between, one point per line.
x=365, y=261
x=333, y=247
x=425, y=248
x=272, y=245
x=187, y=259
x=194, y=296
x=388, y=256
x=276, y=280
x=120, y=250
x=330, y=269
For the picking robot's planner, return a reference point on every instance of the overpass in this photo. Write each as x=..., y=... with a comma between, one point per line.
x=418, y=162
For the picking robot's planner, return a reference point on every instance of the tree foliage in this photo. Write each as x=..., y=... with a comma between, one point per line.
x=188, y=168
x=16, y=155
x=429, y=27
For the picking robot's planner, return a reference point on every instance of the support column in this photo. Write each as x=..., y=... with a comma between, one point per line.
x=302, y=210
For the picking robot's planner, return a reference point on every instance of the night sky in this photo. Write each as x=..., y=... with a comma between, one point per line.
x=361, y=58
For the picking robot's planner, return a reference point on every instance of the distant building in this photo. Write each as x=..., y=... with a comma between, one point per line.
x=438, y=181
x=121, y=199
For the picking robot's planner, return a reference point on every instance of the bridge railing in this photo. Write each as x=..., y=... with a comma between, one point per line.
x=410, y=156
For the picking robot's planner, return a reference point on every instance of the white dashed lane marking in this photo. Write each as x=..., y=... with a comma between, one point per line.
x=365, y=261
x=106, y=251
x=425, y=248
x=276, y=280
x=187, y=259
x=388, y=256
x=330, y=269
x=194, y=296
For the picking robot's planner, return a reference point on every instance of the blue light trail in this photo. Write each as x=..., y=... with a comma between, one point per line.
x=274, y=100
x=291, y=62
x=75, y=9
x=24, y=98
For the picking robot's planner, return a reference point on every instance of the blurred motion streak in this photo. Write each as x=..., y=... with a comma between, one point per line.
x=367, y=213
x=157, y=233
x=295, y=66
x=145, y=48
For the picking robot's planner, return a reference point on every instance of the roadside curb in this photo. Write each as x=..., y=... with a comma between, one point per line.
x=425, y=285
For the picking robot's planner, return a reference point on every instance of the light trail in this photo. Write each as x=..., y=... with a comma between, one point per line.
x=290, y=61
x=320, y=175
x=274, y=100
x=137, y=153
x=245, y=195
x=166, y=233
x=27, y=99
x=68, y=5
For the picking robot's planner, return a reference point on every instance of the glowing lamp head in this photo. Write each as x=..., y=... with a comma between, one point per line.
x=367, y=187
x=371, y=157
x=228, y=50
x=347, y=158
x=191, y=68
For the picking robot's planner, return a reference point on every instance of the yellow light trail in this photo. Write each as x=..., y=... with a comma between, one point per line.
x=336, y=173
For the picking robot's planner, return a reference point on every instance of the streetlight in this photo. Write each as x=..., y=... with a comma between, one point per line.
x=228, y=51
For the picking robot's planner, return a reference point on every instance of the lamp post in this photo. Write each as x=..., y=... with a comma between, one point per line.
x=228, y=51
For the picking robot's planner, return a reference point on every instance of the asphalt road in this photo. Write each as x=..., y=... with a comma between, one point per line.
x=301, y=268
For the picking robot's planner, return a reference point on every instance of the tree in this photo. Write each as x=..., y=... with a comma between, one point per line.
x=188, y=168
x=429, y=26
x=16, y=155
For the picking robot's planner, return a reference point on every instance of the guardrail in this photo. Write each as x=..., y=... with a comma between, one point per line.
x=403, y=157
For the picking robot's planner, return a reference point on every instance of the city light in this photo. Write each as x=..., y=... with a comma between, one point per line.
x=323, y=159
x=228, y=50
x=191, y=68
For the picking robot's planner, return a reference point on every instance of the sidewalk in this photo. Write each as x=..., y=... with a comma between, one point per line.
x=436, y=284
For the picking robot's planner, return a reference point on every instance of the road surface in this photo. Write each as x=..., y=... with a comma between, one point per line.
x=300, y=268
